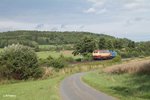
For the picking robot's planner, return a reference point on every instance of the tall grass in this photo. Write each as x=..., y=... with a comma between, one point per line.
x=127, y=81
x=131, y=67
x=77, y=67
x=52, y=72
x=122, y=86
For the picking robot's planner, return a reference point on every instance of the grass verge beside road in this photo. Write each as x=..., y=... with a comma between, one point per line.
x=32, y=90
x=123, y=86
x=43, y=89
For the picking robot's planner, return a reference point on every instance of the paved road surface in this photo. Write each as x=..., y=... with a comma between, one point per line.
x=72, y=88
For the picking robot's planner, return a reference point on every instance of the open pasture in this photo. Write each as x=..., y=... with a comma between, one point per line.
x=55, y=54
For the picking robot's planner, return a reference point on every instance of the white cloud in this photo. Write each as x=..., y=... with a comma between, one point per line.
x=96, y=11
x=81, y=27
x=98, y=3
x=54, y=29
x=102, y=11
x=127, y=5
x=108, y=16
x=90, y=10
x=63, y=26
x=95, y=1
x=96, y=7
x=39, y=26
x=13, y=25
x=136, y=21
x=137, y=5
x=132, y=5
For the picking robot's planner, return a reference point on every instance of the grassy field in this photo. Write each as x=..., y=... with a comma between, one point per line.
x=127, y=81
x=55, y=46
x=1, y=49
x=45, y=54
x=48, y=46
x=43, y=46
x=32, y=90
x=41, y=89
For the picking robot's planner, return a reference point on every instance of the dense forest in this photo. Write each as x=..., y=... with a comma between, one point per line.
x=33, y=39
x=44, y=37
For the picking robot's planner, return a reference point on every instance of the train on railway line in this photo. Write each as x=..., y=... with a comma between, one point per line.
x=103, y=54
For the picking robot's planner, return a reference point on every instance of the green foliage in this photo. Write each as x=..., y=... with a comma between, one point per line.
x=78, y=59
x=131, y=44
x=132, y=52
x=55, y=47
x=45, y=37
x=85, y=46
x=126, y=48
x=117, y=59
x=123, y=86
x=35, y=38
x=125, y=55
x=109, y=45
x=118, y=44
x=19, y=62
x=105, y=44
x=102, y=43
x=57, y=62
x=69, y=59
x=88, y=57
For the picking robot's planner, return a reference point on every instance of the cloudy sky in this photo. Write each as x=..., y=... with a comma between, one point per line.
x=120, y=18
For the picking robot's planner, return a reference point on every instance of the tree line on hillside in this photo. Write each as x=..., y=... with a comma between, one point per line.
x=35, y=38
x=126, y=48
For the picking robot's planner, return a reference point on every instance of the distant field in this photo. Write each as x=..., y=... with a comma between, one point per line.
x=32, y=90
x=1, y=49
x=45, y=54
x=48, y=46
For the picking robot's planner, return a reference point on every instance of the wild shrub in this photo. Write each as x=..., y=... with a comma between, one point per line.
x=78, y=59
x=88, y=57
x=117, y=59
x=125, y=55
x=19, y=62
x=69, y=59
x=57, y=62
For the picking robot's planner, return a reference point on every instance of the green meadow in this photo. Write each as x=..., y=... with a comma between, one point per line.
x=1, y=49
x=123, y=86
x=32, y=90
x=55, y=54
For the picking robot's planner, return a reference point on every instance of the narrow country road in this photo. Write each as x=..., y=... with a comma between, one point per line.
x=72, y=88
